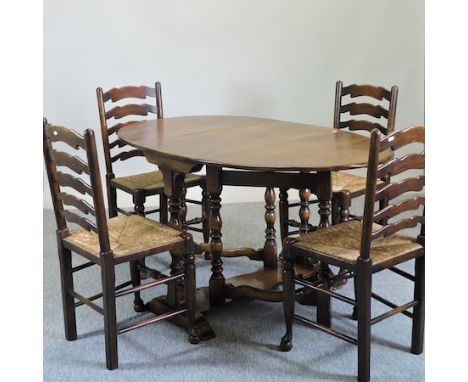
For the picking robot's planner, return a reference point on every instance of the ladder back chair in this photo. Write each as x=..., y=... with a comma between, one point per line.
x=106, y=243
x=140, y=186
x=346, y=186
x=364, y=247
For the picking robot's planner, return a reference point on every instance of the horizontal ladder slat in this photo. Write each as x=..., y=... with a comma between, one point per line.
x=330, y=293
x=196, y=229
x=326, y=329
x=390, y=304
x=150, y=285
x=83, y=266
x=99, y=295
x=402, y=273
x=193, y=201
x=394, y=311
x=150, y=321
x=88, y=302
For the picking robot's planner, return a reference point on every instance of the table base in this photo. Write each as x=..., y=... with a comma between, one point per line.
x=261, y=285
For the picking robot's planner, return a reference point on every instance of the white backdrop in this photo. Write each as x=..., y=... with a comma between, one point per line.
x=267, y=58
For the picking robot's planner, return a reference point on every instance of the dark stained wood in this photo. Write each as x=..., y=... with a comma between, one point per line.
x=244, y=138
x=217, y=280
x=363, y=269
x=392, y=190
x=67, y=180
x=181, y=245
x=127, y=155
x=392, y=228
x=247, y=143
x=72, y=162
x=398, y=165
x=354, y=125
x=83, y=222
x=382, y=118
x=109, y=113
x=80, y=204
x=376, y=92
x=117, y=94
x=403, y=137
x=269, y=249
x=130, y=109
x=376, y=111
x=395, y=209
x=61, y=134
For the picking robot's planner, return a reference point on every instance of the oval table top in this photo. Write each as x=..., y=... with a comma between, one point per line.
x=248, y=143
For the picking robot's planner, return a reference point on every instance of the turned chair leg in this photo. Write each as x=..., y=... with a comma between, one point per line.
x=288, y=301
x=138, y=304
x=417, y=338
x=139, y=200
x=163, y=217
x=364, y=287
x=206, y=213
x=344, y=204
x=68, y=301
x=110, y=319
x=283, y=213
x=335, y=215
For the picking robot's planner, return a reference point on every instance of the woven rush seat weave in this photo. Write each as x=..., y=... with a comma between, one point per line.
x=127, y=235
x=344, y=181
x=150, y=181
x=343, y=242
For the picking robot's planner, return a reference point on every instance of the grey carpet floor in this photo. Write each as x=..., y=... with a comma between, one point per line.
x=248, y=332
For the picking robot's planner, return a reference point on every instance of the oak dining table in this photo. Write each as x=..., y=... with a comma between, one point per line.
x=244, y=151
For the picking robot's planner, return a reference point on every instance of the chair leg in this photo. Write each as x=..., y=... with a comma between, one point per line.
x=283, y=213
x=110, y=319
x=138, y=304
x=139, y=200
x=112, y=196
x=68, y=302
x=354, y=315
x=417, y=338
x=344, y=205
x=324, y=300
x=206, y=212
x=190, y=296
x=335, y=211
x=288, y=300
x=364, y=287
x=163, y=208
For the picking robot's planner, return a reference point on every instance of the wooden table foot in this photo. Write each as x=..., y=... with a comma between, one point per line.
x=159, y=305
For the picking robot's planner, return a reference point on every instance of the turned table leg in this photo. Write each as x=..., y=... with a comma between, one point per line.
x=324, y=197
x=217, y=281
x=304, y=211
x=269, y=249
x=173, y=188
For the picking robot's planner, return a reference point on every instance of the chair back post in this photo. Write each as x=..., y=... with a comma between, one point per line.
x=392, y=110
x=51, y=169
x=104, y=132
x=96, y=185
x=159, y=106
x=371, y=182
x=337, y=113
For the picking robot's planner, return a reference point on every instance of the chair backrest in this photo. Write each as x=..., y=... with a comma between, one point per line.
x=111, y=110
x=404, y=188
x=60, y=181
x=375, y=111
